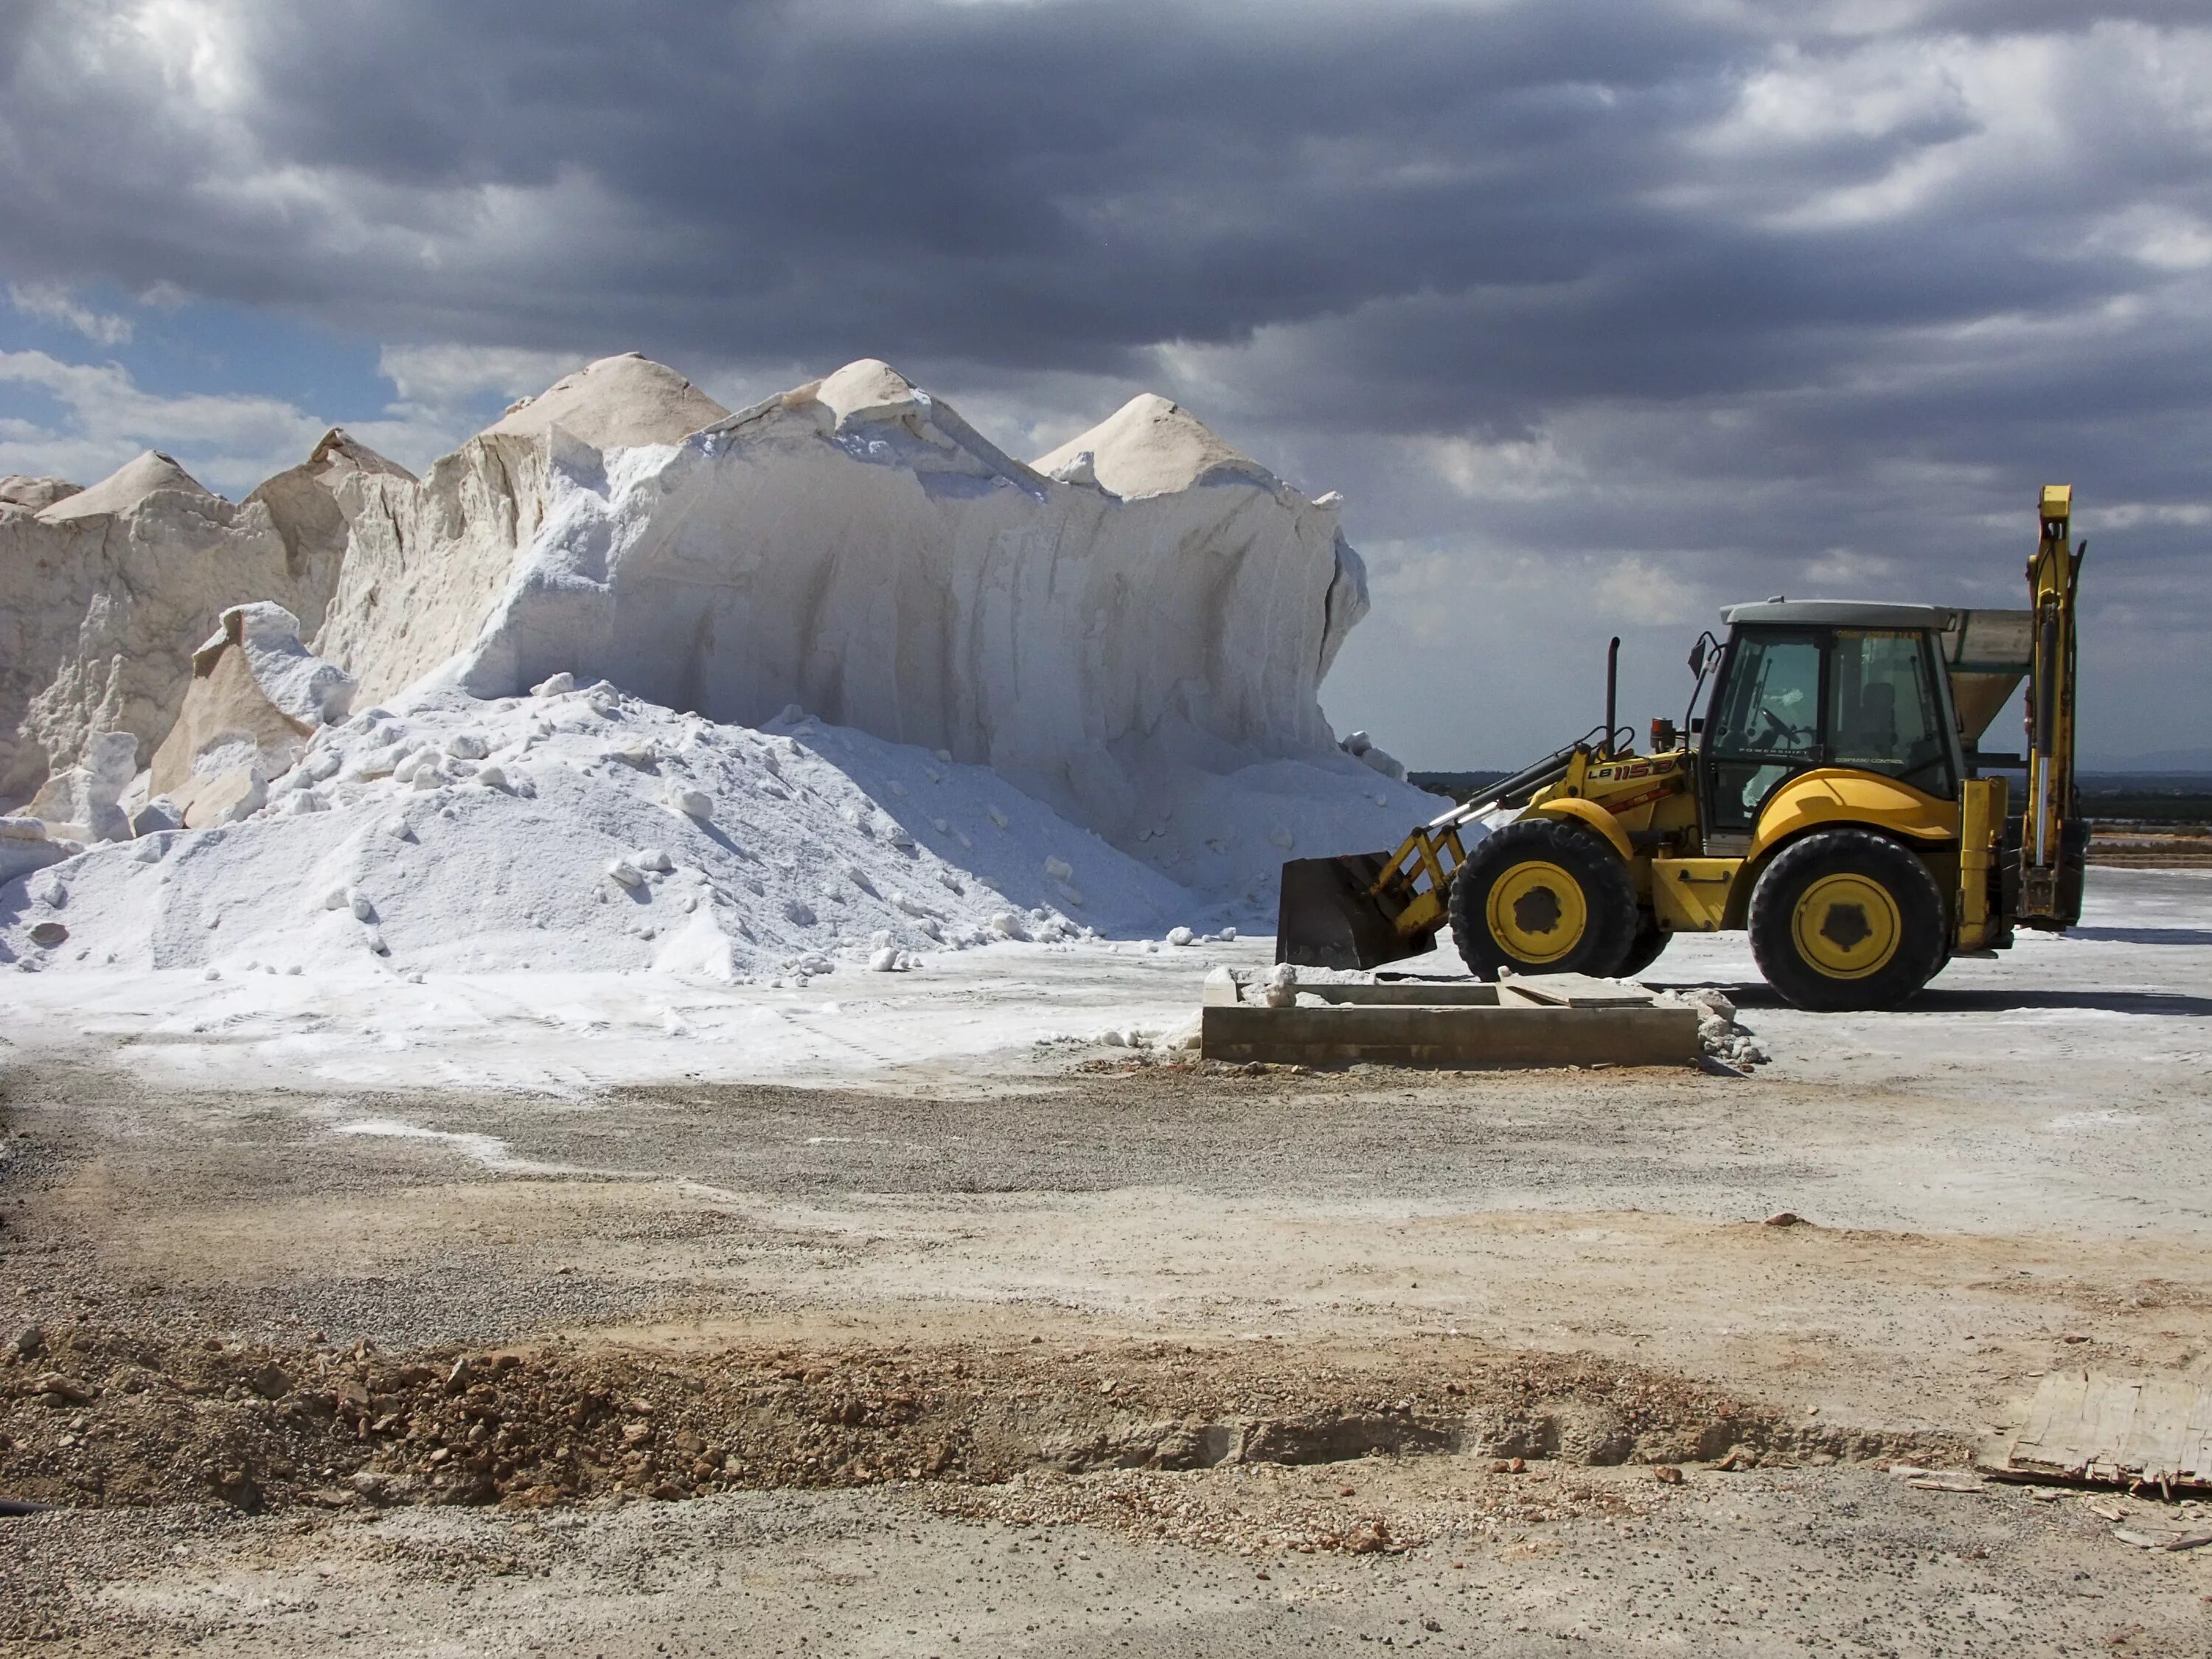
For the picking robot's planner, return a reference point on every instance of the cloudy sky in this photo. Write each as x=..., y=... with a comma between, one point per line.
x=1600, y=315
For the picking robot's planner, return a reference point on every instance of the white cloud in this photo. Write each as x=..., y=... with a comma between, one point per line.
x=230, y=443
x=50, y=303
x=443, y=376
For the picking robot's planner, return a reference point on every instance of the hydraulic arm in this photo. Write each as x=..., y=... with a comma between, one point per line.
x=2054, y=838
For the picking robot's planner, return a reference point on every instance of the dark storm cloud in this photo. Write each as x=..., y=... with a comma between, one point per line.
x=1751, y=274
x=1033, y=185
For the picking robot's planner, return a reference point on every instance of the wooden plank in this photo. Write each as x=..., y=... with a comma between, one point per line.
x=1572, y=991
x=2116, y=1431
x=1457, y=993
x=1457, y=1037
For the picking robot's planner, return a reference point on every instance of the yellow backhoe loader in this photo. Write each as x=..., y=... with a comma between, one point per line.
x=1833, y=799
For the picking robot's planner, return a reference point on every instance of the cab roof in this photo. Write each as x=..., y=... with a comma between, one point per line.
x=1843, y=613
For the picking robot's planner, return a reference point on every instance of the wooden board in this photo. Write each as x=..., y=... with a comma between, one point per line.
x=2109, y=1431
x=1455, y=994
x=1572, y=991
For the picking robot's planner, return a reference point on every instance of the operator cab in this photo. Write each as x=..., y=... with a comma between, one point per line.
x=1806, y=684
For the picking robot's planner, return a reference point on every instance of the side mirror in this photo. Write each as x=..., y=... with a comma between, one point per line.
x=1697, y=656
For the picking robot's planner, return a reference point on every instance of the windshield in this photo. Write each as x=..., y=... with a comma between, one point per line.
x=1883, y=712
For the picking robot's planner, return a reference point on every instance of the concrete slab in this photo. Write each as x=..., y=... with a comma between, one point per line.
x=1468, y=1035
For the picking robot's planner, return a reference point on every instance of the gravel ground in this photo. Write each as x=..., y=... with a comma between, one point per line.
x=1060, y=1357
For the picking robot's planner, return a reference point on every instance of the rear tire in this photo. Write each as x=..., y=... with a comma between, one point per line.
x=1541, y=897
x=1644, y=948
x=1846, y=920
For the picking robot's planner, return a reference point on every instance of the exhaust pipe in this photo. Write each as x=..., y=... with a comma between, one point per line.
x=1612, y=690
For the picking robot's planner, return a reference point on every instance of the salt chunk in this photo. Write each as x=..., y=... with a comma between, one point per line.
x=796, y=912
x=654, y=858
x=940, y=826
x=157, y=815
x=897, y=788
x=554, y=685
x=492, y=777
x=303, y=801
x=1282, y=838
x=1228, y=935
x=467, y=746
x=692, y=803
x=945, y=755
x=623, y=870
x=1007, y=925
x=335, y=899
x=1058, y=869
x=997, y=816
x=1182, y=936
x=358, y=902
x=376, y=763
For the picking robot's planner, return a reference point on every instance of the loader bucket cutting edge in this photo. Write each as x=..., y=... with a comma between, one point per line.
x=1326, y=917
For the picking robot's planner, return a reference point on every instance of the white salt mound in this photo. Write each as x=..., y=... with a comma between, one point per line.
x=33, y=495
x=856, y=545
x=579, y=864
x=1104, y=666
x=615, y=403
x=126, y=488
x=1151, y=447
x=104, y=593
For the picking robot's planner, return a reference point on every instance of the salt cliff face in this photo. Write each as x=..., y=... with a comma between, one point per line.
x=1164, y=608
x=105, y=592
x=256, y=699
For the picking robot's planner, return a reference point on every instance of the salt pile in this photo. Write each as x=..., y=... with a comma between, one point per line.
x=106, y=592
x=583, y=830
x=856, y=546
x=1054, y=699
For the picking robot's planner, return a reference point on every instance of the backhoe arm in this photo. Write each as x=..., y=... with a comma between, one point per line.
x=2054, y=838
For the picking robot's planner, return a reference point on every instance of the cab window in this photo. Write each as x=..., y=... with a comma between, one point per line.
x=1883, y=713
x=1767, y=726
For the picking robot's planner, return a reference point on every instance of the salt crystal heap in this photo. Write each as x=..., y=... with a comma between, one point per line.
x=105, y=592
x=1141, y=611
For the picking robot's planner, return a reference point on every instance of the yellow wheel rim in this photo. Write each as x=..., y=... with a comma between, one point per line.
x=1846, y=926
x=1537, y=912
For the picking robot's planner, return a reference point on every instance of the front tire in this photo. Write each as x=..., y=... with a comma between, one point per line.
x=1541, y=897
x=1847, y=920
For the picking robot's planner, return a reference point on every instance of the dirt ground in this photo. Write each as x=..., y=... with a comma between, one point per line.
x=1055, y=1358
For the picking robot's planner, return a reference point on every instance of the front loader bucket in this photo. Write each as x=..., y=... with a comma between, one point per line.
x=1326, y=917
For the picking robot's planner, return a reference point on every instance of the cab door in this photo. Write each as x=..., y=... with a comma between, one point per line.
x=1764, y=727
